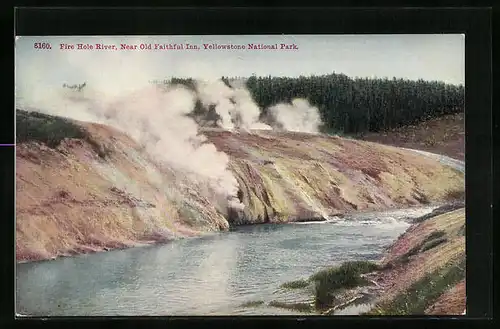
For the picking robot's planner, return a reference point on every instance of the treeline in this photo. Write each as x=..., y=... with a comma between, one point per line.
x=358, y=105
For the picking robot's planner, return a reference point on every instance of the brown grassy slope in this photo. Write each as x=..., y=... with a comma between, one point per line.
x=443, y=135
x=430, y=248
x=422, y=272
x=451, y=302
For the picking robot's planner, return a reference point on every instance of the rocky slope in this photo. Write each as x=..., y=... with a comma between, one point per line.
x=98, y=189
x=287, y=176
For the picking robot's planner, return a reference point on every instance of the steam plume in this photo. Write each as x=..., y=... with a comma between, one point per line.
x=120, y=95
x=233, y=104
x=237, y=110
x=298, y=116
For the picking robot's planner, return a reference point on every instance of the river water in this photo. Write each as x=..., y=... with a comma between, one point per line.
x=211, y=275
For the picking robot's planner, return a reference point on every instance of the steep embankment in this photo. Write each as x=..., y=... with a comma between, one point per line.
x=286, y=176
x=85, y=187
x=422, y=272
x=77, y=198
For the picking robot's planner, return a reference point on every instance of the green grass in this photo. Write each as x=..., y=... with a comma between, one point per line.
x=297, y=284
x=45, y=128
x=330, y=280
x=431, y=241
x=354, y=266
x=252, y=303
x=52, y=130
x=440, y=211
x=435, y=235
x=432, y=244
x=462, y=230
x=301, y=307
x=423, y=293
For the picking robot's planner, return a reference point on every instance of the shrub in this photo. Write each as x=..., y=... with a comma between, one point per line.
x=253, y=303
x=347, y=275
x=432, y=240
x=301, y=307
x=297, y=284
x=432, y=244
x=434, y=235
x=405, y=258
x=48, y=129
x=52, y=130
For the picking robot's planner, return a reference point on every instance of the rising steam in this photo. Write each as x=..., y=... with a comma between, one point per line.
x=233, y=104
x=236, y=109
x=298, y=116
x=118, y=93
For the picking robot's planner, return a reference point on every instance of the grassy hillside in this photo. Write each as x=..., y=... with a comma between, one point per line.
x=426, y=269
x=423, y=272
x=51, y=130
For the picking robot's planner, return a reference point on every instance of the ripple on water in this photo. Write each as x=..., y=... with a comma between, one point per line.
x=213, y=275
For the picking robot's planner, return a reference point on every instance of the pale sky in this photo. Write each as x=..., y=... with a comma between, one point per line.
x=430, y=57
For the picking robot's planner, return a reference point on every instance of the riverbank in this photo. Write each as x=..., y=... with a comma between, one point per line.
x=217, y=274
x=83, y=188
x=425, y=268
x=422, y=272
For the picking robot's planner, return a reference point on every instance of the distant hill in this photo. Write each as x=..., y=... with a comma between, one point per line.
x=444, y=135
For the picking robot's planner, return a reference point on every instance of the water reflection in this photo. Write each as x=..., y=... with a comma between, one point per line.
x=210, y=275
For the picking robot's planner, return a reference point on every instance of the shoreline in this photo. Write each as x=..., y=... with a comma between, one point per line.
x=421, y=272
x=151, y=243
x=378, y=278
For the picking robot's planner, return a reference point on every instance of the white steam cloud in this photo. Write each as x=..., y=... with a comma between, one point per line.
x=218, y=94
x=233, y=104
x=298, y=116
x=118, y=93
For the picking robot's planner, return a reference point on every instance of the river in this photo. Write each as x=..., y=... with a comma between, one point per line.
x=209, y=275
